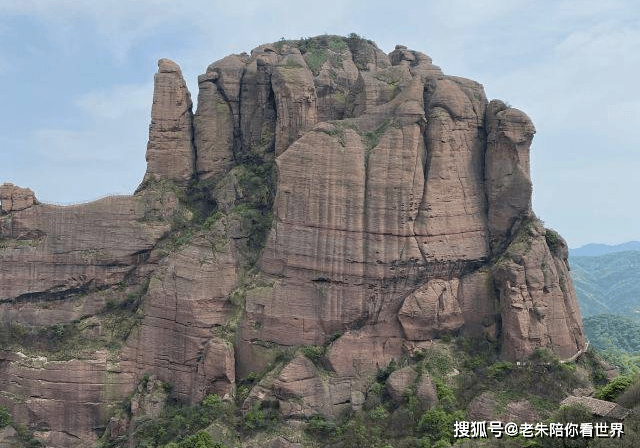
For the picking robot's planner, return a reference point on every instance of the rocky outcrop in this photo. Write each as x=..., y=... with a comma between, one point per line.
x=323, y=194
x=537, y=296
x=53, y=251
x=508, y=182
x=302, y=393
x=67, y=401
x=170, y=152
x=14, y=198
x=406, y=381
x=181, y=336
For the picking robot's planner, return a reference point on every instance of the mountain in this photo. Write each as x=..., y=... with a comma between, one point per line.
x=335, y=231
x=607, y=331
x=594, y=249
x=617, y=338
x=608, y=284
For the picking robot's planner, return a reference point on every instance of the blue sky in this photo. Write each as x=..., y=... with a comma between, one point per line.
x=76, y=84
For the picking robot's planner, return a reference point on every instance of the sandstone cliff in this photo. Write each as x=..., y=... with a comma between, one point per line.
x=323, y=194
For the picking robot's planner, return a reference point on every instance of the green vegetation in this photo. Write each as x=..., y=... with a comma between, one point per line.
x=182, y=425
x=315, y=352
x=317, y=50
x=616, y=387
x=198, y=214
x=608, y=284
x=553, y=241
x=437, y=424
x=254, y=179
x=460, y=371
x=339, y=128
x=5, y=417
x=371, y=139
x=382, y=422
x=337, y=44
x=315, y=58
x=361, y=49
x=256, y=182
x=543, y=380
x=593, y=363
x=261, y=416
x=13, y=243
x=201, y=439
x=178, y=424
x=391, y=75
x=27, y=438
x=79, y=339
x=617, y=338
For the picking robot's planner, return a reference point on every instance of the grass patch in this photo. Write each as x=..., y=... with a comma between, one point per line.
x=542, y=376
x=317, y=50
x=109, y=328
x=315, y=352
x=337, y=44
x=371, y=139
x=178, y=424
x=5, y=417
x=553, y=241
x=315, y=59
x=615, y=388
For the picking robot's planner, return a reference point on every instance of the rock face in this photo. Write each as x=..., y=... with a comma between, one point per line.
x=323, y=193
x=67, y=401
x=14, y=198
x=170, y=152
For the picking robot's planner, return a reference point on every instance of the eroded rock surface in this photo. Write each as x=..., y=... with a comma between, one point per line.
x=530, y=315
x=69, y=401
x=13, y=198
x=170, y=152
x=323, y=194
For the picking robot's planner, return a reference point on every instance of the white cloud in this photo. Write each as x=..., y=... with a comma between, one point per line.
x=106, y=154
x=117, y=101
x=570, y=64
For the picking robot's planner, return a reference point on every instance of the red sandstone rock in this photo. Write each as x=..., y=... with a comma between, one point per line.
x=14, y=198
x=397, y=188
x=170, y=152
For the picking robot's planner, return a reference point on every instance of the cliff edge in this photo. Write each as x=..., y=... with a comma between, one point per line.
x=324, y=194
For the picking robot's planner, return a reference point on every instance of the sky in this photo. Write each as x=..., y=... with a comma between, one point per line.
x=76, y=83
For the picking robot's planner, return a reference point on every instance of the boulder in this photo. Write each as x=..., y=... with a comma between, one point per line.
x=399, y=381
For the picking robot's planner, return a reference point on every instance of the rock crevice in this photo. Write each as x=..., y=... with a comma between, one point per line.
x=321, y=188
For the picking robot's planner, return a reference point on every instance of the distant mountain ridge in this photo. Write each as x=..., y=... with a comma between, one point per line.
x=617, y=338
x=605, y=331
x=596, y=249
x=608, y=284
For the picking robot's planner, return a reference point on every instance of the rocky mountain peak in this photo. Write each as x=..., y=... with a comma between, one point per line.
x=170, y=151
x=324, y=194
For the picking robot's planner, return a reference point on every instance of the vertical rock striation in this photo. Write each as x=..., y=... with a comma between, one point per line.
x=170, y=151
x=401, y=213
x=508, y=182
